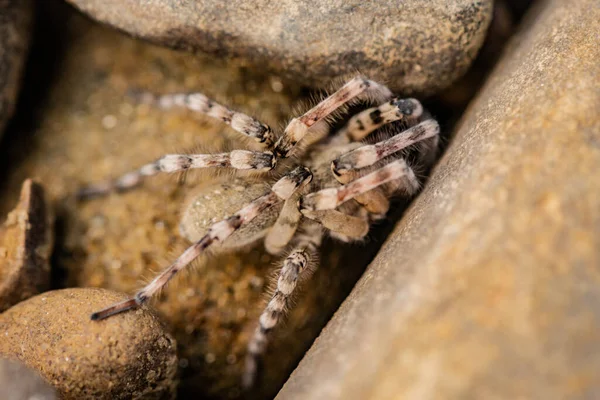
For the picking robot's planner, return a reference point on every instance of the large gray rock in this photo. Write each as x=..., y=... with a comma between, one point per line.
x=15, y=31
x=414, y=45
x=489, y=288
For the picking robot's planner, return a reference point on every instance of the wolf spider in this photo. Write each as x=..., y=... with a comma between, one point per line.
x=339, y=164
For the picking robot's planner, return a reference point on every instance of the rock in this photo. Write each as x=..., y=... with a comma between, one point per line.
x=88, y=130
x=15, y=30
x=120, y=358
x=415, y=46
x=26, y=240
x=17, y=382
x=489, y=287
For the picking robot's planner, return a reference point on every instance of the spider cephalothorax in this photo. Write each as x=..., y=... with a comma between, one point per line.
x=350, y=155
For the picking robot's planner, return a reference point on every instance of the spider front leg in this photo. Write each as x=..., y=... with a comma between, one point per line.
x=295, y=265
x=347, y=166
x=367, y=121
x=355, y=89
x=237, y=159
x=328, y=199
x=284, y=228
x=281, y=190
x=198, y=102
x=368, y=155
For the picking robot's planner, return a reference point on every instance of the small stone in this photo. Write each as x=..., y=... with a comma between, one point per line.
x=413, y=45
x=26, y=240
x=128, y=356
x=17, y=382
x=15, y=30
x=489, y=287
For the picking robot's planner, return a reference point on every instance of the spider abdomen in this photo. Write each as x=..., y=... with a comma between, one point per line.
x=219, y=200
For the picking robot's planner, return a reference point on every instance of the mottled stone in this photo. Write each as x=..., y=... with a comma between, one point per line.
x=119, y=358
x=489, y=287
x=87, y=129
x=15, y=31
x=26, y=240
x=17, y=382
x=414, y=45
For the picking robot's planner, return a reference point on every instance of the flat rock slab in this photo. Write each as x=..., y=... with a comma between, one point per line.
x=413, y=45
x=489, y=288
x=15, y=30
x=120, y=358
x=26, y=240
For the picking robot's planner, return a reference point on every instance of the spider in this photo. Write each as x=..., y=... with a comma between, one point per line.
x=338, y=164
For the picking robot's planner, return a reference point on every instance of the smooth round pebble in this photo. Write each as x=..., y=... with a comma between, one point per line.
x=17, y=382
x=15, y=31
x=26, y=240
x=123, y=357
x=413, y=45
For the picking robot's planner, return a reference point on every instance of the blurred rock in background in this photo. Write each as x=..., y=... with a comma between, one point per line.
x=16, y=24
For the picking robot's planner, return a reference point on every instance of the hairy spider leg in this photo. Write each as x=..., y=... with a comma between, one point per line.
x=346, y=167
x=284, y=228
x=328, y=199
x=198, y=102
x=355, y=89
x=367, y=121
x=368, y=155
x=220, y=231
x=294, y=266
x=236, y=159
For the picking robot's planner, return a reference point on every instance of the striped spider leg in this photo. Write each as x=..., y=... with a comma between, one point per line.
x=281, y=190
x=296, y=130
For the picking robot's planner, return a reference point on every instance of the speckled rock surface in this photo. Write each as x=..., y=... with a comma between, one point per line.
x=414, y=45
x=489, y=288
x=17, y=382
x=120, y=358
x=15, y=30
x=86, y=129
x=26, y=240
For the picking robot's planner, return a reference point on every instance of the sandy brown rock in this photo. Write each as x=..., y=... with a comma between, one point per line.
x=16, y=17
x=121, y=358
x=17, y=382
x=415, y=45
x=87, y=129
x=489, y=288
x=26, y=240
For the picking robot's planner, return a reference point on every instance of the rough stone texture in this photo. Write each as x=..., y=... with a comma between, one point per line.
x=17, y=382
x=414, y=45
x=26, y=240
x=15, y=31
x=84, y=129
x=489, y=288
x=120, y=358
